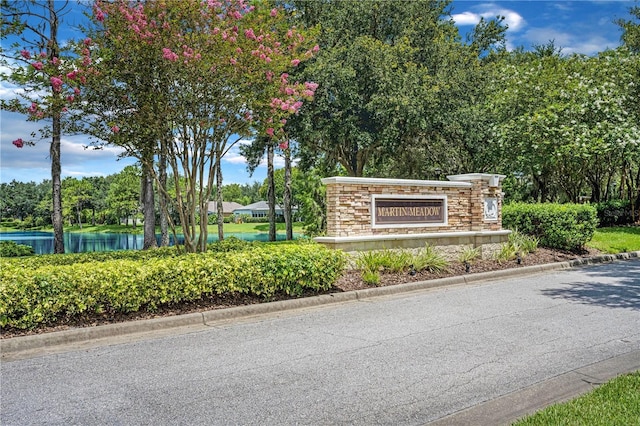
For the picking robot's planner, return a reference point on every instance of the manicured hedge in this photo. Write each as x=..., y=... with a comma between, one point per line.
x=13, y=249
x=615, y=213
x=34, y=295
x=559, y=226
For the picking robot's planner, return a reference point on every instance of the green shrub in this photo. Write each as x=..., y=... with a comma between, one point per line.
x=518, y=245
x=506, y=253
x=522, y=243
x=42, y=293
x=372, y=263
x=429, y=259
x=228, y=244
x=96, y=257
x=614, y=212
x=371, y=277
x=469, y=254
x=13, y=249
x=387, y=261
x=559, y=226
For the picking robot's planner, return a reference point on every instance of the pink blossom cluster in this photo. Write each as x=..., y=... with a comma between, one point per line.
x=56, y=83
x=98, y=13
x=35, y=111
x=190, y=54
x=138, y=20
x=169, y=55
x=290, y=104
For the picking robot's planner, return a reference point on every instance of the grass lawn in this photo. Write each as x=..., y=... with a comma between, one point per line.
x=253, y=228
x=617, y=402
x=616, y=239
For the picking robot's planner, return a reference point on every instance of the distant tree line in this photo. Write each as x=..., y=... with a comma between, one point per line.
x=116, y=199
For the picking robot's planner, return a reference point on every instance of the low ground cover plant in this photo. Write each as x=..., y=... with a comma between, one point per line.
x=373, y=263
x=518, y=245
x=557, y=226
x=37, y=290
x=469, y=254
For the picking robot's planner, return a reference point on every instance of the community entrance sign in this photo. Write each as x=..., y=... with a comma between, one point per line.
x=373, y=214
x=414, y=211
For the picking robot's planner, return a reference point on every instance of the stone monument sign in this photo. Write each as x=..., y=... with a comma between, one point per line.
x=374, y=214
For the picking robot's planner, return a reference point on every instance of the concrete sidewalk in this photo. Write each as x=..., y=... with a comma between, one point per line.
x=500, y=410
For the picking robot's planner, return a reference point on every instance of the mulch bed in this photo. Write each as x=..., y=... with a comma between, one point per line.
x=350, y=280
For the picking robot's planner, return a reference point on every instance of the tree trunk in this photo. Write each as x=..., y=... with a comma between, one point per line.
x=288, y=219
x=54, y=150
x=79, y=214
x=56, y=214
x=148, y=208
x=219, y=199
x=162, y=178
x=271, y=193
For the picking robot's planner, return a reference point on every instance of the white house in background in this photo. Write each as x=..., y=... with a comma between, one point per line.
x=261, y=209
x=227, y=208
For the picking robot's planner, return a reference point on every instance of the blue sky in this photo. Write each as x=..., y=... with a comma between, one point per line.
x=585, y=27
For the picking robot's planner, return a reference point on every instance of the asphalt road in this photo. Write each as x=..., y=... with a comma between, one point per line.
x=405, y=359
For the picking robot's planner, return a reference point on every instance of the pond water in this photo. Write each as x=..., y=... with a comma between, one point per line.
x=42, y=242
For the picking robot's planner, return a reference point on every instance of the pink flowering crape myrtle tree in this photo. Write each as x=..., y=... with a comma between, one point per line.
x=194, y=77
x=50, y=78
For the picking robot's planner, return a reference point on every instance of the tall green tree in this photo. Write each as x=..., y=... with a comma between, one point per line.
x=97, y=200
x=123, y=197
x=18, y=199
x=395, y=82
x=76, y=194
x=631, y=29
x=567, y=122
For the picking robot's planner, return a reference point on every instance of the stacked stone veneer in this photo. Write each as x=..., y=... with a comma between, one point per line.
x=349, y=212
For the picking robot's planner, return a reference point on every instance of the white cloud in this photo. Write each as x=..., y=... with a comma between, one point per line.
x=234, y=157
x=587, y=44
x=33, y=163
x=489, y=11
x=513, y=19
x=466, y=18
x=564, y=7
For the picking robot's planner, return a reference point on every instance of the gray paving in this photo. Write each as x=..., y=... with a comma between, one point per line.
x=484, y=353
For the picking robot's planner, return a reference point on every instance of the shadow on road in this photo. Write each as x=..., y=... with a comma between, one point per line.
x=615, y=285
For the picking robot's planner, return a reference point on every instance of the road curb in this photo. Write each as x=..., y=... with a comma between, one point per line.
x=46, y=340
x=508, y=408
